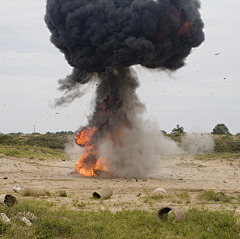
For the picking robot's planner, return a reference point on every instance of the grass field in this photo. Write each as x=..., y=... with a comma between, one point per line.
x=64, y=223
x=31, y=152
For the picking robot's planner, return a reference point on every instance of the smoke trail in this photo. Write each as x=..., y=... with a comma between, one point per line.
x=101, y=39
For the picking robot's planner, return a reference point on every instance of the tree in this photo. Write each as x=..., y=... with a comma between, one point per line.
x=220, y=129
x=178, y=130
x=19, y=133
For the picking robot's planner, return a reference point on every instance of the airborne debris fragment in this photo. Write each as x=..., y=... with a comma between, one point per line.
x=16, y=189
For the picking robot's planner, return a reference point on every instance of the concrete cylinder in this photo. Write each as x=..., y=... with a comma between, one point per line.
x=179, y=214
x=103, y=193
x=8, y=200
x=159, y=191
x=33, y=191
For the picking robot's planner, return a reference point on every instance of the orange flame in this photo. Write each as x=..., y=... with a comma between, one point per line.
x=185, y=29
x=90, y=169
x=84, y=137
x=90, y=163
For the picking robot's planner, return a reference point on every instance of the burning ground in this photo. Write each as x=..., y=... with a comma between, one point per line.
x=101, y=40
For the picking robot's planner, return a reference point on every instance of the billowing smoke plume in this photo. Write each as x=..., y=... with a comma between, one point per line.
x=197, y=143
x=101, y=39
x=100, y=35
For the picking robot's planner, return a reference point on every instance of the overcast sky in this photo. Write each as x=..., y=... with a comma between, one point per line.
x=202, y=94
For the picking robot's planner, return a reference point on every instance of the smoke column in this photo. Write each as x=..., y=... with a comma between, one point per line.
x=101, y=39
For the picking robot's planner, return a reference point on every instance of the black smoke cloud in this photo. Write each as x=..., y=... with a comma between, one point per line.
x=101, y=35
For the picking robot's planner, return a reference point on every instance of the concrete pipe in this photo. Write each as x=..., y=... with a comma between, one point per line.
x=103, y=193
x=179, y=214
x=8, y=200
x=33, y=191
x=159, y=191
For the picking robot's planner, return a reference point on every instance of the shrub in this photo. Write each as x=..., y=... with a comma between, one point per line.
x=211, y=195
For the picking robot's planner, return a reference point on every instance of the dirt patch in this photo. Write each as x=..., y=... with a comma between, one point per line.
x=178, y=175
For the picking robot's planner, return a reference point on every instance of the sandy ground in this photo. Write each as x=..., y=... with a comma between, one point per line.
x=178, y=174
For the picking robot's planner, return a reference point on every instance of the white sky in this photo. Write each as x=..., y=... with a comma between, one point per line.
x=202, y=94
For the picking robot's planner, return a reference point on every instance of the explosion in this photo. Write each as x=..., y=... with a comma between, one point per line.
x=101, y=40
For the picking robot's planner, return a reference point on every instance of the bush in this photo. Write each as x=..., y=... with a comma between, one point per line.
x=52, y=228
x=214, y=196
x=227, y=144
x=51, y=141
x=9, y=139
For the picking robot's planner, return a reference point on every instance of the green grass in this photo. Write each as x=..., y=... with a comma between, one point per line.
x=227, y=143
x=77, y=204
x=158, y=197
x=211, y=195
x=31, y=152
x=64, y=223
x=53, y=141
x=62, y=194
x=4, y=227
x=183, y=195
x=151, y=200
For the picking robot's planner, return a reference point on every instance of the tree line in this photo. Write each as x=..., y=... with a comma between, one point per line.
x=219, y=129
